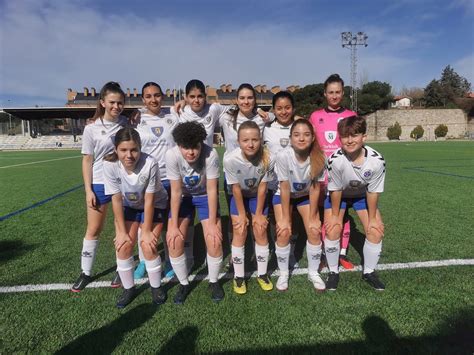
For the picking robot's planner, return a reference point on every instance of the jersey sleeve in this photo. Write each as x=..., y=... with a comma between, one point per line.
x=270, y=174
x=154, y=182
x=111, y=178
x=87, y=141
x=335, y=182
x=218, y=111
x=212, y=165
x=377, y=182
x=281, y=166
x=230, y=176
x=172, y=166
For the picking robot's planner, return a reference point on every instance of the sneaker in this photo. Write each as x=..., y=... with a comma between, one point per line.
x=217, y=292
x=158, y=296
x=169, y=272
x=373, y=280
x=318, y=282
x=265, y=282
x=140, y=271
x=183, y=291
x=82, y=281
x=345, y=262
x=126, y=297
x=116, y=282
x=282, y=282
x=332, y=281
x=240, y=287
x=323, y=263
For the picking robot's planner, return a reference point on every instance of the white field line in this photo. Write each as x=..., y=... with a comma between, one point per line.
x=299, y=271
x=38, y=162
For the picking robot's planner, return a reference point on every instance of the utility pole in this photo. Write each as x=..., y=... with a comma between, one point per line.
x=351, y=41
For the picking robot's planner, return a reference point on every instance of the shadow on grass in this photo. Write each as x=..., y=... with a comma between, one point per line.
x=105, y=339
x=11, y=249
x=454, y=336
x=183, y=342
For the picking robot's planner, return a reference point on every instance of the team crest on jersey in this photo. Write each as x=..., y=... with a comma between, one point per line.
x=157, y=131
x=208, y=119
x=119, y=180
x=143, y=179
x=192, y=180
x=299, y=186
x=131, y=196
x=169, y=121
x=284, y=142
x=250, y=182
x=260, y=171
x=330, y=136
x=367, y=174
x=103, y=133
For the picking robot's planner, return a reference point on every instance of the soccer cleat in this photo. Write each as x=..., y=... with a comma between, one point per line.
x=140, y=271
x=318, y=282
x=158, y=296
x=282, y=282
x=373, y=280
x=217, y=292
x=116, y=282
x=82, y=281
x=169, y=272
x=126, y=297
x=345, y=262
x=183, y=291
x=265, y=282
x=239, y=286
x=332, y=281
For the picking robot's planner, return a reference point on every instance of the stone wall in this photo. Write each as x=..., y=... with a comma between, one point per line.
x=429, y=119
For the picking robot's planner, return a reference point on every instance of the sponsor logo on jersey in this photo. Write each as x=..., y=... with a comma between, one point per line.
x=192, y=180
x=103, y=133
x=157, y=131
x=367, y=174
x=131, y=196
x=354, y=184
x=143, y=179
x=208, y=119
x=119, y=180
x=299, y=186
x=330, y=136
x=284, y=142
x=250, y=182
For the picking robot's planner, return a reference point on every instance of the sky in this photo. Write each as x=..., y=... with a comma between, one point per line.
x=48, y=46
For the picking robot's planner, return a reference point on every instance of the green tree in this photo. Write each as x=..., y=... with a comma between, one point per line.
x=434, y=95
x=395, y=131
x=441, y=130
x=453, y=84
x=417, y=132
x=308, y=99
x=374, y=96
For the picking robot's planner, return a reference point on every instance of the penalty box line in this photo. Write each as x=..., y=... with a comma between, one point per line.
x=298, y=271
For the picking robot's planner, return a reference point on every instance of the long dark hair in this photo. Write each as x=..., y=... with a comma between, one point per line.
x=234, y=112
x=333, y=78
x=124, y=135
x=111, y=87
x=151, y=83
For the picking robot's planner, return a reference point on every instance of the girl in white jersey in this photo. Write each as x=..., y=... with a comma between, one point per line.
x=299, y=168
x=133, y=180
x=155, y=130
x=356, y=179
x=248, y=170
x=193, y=170
x=98, y=141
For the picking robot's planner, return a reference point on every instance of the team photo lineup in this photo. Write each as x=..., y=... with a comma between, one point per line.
x=159, y=171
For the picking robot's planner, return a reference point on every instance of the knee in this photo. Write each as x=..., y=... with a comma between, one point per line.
x=125, y=252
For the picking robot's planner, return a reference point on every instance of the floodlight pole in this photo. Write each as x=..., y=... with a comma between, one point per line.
x=351, y=41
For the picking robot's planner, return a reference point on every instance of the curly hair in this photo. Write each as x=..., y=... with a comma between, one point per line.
x=189, y=134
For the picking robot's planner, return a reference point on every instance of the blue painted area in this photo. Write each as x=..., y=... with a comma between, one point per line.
x=422, y=170
x=2, y=218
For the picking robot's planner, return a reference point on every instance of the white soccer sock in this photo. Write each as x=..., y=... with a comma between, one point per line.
x=153, y=269
x=180, y=268
x=125, y=270
x=238, y=260
x=214, y=266
x=89, y=250
x=313, y=254
x=332, y=248
x=283, y=257
x=371, y=256
x=141, y=257
x=262, y=252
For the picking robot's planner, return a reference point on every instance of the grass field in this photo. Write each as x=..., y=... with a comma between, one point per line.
x=428, y=213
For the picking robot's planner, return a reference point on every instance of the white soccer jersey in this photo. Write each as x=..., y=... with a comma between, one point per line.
x=209, y=116
x=353, y=180
x=239, y=170
x=98, y=141
x=193, y=176
x=276, y=137
x=145, y=178
x=226, y=122
x=298, y=175
x=156, y=136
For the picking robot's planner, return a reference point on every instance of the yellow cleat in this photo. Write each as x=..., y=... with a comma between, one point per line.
x=240, y=286
x=265, y=282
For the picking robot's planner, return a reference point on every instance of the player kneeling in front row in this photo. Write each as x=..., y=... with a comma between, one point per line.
x=299, y=169
x=138, y=200
x=193, y=170
x=248, y=170
x=356, y=176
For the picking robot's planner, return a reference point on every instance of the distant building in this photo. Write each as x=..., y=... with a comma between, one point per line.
x=401, y=102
